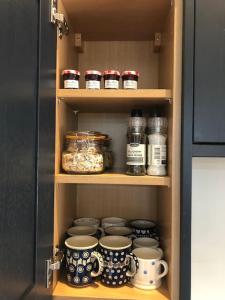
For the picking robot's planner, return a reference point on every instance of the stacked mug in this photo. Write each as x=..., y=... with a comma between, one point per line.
x=106, y=252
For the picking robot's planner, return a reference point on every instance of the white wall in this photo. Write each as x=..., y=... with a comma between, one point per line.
x=208, y=229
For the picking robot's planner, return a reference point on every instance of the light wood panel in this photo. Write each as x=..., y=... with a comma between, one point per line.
x=113, y=100
x=166, y=55
x=166, y=69
x=113, y=178
x=64, y=211
x=65, y=120
x=169, y=217
x=177, y=79
x=69, y=95
x=121, y=55
x=65, y=206
x=128, y=202
x=116, y=19
x=66, y=55
x=98, y=291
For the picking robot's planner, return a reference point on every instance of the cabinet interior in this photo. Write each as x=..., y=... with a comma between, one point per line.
x=120, y=35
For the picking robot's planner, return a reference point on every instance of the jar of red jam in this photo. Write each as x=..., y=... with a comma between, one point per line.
x=93, y=79
x=111, y=79
x=71, y=79
x=130, y=79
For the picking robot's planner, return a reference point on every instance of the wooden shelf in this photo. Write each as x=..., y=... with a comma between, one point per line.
x=146, y=94
x=98, y=291
x=113, y=178
x=90, y=100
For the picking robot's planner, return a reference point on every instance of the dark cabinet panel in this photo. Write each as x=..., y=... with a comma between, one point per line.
x=27, y=120
x=209, y=72
x=18, y=127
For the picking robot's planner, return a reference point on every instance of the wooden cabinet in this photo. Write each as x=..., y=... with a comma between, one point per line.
x=118, y=35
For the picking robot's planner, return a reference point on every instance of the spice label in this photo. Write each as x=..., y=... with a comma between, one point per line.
x=92, y=84
x=71, y=84
x=136, y=154
x=111, y=84
x=157, y=155
x=130, y=84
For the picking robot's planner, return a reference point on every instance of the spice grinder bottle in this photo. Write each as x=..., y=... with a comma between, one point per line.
x=136, y=144
x=157, y=137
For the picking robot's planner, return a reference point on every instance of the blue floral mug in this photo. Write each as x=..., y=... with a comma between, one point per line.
x=81, y=258
x=120, y=264
x=82, y=230
x=144, y=228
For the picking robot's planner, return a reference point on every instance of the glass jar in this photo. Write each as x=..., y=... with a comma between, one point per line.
x=111, y=79
x=71, y=79
x=130, y=79
x=84, y=153
x=93, y=79
x=108, y=155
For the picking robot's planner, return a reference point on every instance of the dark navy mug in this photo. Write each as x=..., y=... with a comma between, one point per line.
x=81, y=258
x=144, y=228
x=120, y=264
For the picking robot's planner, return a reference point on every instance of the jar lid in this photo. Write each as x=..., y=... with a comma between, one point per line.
x=157, y=111
x=129, y=72
x=75, y=72
x=111, y=72
x=90, y=72
x=136, y=113
x=86, y=135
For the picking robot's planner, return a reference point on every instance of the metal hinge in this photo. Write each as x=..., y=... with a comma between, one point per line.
x=53, y=264
x=58, y=19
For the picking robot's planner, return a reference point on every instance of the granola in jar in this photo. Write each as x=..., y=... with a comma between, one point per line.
x=84, y=153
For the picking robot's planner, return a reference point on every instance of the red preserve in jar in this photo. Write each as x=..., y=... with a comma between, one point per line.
x=111, y=79
x=71, y=79
x=130, y=79
x=93, y=79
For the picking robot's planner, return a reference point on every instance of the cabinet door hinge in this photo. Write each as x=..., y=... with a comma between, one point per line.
x=58, y=19
x=53, y=264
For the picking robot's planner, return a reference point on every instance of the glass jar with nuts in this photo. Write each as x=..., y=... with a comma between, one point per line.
x=83, y=153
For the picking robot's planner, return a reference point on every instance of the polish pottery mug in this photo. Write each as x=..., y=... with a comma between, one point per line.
x=119, y=230
x=113, y=221
x=120, y=264
x=81, y=257
x=87, y=222
x=82, y=230
x=146, y=243
x=144, y=228
x=149, y=275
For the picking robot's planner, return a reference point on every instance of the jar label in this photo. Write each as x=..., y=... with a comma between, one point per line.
x=130, y=84
x=157, y=155
x=111, y=84
x=136, y=154
x=92, y=84
x=71, y=84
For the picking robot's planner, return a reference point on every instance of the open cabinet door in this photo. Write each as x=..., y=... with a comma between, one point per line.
x=27, y=118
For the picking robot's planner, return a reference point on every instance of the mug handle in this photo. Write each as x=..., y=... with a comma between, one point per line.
x=165, y=266
x=102, y=231
x=100, y=260
x=134, y=262
x=160, y=250
x=132, y=236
